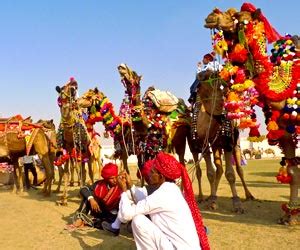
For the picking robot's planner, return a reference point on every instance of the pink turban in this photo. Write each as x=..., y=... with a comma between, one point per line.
x=109, y=170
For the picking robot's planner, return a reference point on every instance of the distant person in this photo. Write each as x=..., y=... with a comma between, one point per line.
x=29, y=165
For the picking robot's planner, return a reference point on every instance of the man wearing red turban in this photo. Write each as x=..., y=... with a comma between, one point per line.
x=102, y=198
x=135, y=194
x=176, y=222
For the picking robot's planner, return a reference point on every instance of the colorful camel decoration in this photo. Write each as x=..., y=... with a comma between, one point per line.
x=136, y=133
x=255, y=78
x=99, y=109
x=161, y=116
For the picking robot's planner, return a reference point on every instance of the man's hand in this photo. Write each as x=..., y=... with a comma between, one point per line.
x=122, y=182
x=94, y=205
x=128, y=180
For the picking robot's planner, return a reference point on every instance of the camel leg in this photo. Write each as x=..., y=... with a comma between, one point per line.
x=66, y=176
x=49, y=171
x=91, y=169
x=289, y=151
x=15, y=186
x=211, y=175
x=239, y=170
x=82, y=173
x=230, y=176
x=60, y=176
x=199, y=176
x=217, y=154
x=72, y=171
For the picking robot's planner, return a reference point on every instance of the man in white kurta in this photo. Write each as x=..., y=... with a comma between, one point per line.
x=171, y=225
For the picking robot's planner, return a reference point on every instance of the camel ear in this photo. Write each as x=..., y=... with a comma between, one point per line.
x=58, y=89
x=51, y=120
x=96, y=90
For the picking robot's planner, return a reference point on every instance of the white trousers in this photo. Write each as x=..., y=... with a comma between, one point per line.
x=148, y=236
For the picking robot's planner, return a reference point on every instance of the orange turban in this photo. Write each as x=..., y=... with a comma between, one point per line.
x=109, y=170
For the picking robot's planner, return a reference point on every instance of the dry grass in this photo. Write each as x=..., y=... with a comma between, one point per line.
x=33, y=222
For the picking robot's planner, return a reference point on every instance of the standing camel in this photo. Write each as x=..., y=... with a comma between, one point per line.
x=244, y=36
x=164, y=128
x=248, y=151
x=214, y=131
x=19, y=137
x=133, y=132
x=270, y=151
x=72, y=135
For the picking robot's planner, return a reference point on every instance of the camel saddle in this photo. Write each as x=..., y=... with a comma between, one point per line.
x=17, y=124
x=163, y=100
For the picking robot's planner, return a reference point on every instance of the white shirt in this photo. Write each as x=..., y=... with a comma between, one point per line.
x=28, y=159
x=168, y=211
x=212, y=66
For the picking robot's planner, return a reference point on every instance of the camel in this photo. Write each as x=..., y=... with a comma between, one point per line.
x=72, y=136
x=270, y=151
x=152, y=118
x=214, y=131
x=131, y=130
x=117, y=128
x=249, y=152
x=19, y=137
x=274, y=77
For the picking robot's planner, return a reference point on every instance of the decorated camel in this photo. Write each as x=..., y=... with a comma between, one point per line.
x=255, y=78
x=161, y=116
x=73, y=138
x=218, y=133
x=134, y=132
x=19, y=137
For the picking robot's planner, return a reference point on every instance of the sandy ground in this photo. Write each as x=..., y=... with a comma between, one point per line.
x=33, y=222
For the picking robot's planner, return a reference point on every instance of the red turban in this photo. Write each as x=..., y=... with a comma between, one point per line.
x=169, y=167
x=145, y=170
x=109, y=170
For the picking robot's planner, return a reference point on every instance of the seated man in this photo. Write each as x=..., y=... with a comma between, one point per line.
x=101, y=199
x=176, y=221
x=134, y=194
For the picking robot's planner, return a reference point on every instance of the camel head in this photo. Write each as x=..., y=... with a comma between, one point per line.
x=131, y=81
x=47, y=124
x=67, y=95
x=89, y=98
x=221, y=20
x=128, y=76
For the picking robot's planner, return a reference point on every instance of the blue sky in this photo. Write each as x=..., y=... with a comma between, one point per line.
x=45, y=42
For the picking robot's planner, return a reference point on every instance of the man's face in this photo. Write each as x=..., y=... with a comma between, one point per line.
x=155, y=178
x=112, y=181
